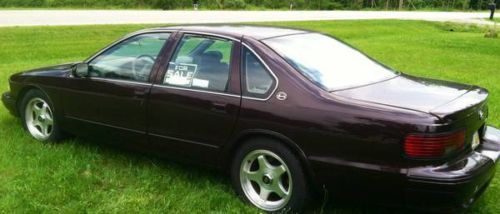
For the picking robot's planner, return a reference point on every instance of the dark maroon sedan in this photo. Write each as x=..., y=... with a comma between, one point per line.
x=287, y=112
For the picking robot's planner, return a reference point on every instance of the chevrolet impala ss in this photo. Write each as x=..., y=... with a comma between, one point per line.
x=287, y=113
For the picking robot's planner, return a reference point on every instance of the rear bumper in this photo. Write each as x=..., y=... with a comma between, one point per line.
x=444, y=187
x=457, y=184
x=10, y=103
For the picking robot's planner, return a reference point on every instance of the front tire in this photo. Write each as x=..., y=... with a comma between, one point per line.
x=38, y=116
x=268, y=175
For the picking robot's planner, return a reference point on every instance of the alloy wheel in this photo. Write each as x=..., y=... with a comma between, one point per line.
x=266, y=180
x=39, y=119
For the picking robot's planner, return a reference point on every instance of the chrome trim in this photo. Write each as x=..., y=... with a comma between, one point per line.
x=196, y=90
x=184, y=140
x=121, y=81
x=104, y=124
x=269, y=70
x=128, y=36
x=209, y=34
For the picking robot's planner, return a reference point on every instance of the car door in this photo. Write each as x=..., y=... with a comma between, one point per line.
x=194, y=104
x=111, y=103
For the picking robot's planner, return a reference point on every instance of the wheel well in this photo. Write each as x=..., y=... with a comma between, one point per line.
x=244, y=138
x=21, y=94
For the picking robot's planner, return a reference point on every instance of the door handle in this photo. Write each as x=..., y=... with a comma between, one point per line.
x=219, y=107
x=140, y=93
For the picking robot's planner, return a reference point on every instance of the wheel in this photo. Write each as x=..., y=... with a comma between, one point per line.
x=38, y=117
x=268, y=175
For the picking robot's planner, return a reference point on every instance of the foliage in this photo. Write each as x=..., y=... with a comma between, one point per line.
x=83, y=176
x=270, y=4
x=491, y=33
x=234, y=4
x=458, y=27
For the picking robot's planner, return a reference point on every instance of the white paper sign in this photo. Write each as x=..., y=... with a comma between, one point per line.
x=180, y=74
x=200, y=83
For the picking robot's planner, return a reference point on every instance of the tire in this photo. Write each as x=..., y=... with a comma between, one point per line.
x=38, y=118
x=286, y=193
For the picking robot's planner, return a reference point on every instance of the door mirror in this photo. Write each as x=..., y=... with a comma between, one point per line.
x=81, y=70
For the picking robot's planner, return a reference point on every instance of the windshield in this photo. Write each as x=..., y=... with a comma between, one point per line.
x=328, y=62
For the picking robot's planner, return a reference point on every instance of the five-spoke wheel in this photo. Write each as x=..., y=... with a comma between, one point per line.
x=38, y=116
x=268, y=174
x=266, y=180
x=39, y=119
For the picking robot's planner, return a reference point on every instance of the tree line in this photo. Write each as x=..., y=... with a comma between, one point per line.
x=260, y=4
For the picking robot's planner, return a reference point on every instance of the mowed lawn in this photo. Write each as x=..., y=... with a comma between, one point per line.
x=78, y=175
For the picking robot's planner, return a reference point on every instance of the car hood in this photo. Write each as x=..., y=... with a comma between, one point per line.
x=441, y=98
x=56, y=70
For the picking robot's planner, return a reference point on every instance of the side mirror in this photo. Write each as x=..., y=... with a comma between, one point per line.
x=81, y=70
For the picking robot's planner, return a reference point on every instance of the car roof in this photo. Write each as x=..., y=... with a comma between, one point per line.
x=237, y=31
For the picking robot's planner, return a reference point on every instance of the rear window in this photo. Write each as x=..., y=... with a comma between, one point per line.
x=328, y=62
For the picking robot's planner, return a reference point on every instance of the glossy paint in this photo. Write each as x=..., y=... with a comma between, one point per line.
x=345, y=139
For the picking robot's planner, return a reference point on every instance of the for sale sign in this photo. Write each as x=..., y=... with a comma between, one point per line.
x=180, y=74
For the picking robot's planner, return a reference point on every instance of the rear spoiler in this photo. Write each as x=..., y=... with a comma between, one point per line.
x=474, y=101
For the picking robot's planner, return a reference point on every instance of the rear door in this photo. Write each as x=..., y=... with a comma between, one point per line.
x=194, y=104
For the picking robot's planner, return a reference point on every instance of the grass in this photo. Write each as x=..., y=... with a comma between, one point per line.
x=81, y=176
x=494, y=19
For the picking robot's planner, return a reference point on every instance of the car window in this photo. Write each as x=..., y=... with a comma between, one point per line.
x=328, y=62
x=200, y=62
x=258, y=80
x=131, y=59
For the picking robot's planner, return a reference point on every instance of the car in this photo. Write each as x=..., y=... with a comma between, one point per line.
x=288, y=113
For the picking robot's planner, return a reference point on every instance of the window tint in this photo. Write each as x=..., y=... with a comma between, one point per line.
x=258, y=80
x=131, y=59
x=328, y=62
x=200, y=62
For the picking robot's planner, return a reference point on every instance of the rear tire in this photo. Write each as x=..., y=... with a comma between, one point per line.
x=38, y=118
x=266, y=174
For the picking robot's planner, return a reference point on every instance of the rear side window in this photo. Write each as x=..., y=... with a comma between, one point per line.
x=200, y=62
x=258, y=80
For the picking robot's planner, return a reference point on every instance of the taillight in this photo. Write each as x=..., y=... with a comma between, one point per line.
x=432, y=145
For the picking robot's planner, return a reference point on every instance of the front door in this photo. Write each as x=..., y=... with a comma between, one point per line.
x=193, y=108
x=111, y=103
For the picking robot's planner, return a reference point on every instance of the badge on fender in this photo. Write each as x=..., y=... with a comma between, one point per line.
x=281, y=95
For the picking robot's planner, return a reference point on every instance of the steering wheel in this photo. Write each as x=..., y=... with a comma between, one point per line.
x=141, y=66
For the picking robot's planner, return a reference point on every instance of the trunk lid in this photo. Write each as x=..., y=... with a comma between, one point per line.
x=446, y=100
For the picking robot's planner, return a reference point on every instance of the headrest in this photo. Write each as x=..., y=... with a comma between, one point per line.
x=213, y=55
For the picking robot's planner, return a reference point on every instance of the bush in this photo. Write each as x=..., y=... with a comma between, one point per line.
x=164, y=4
x=491, y=33
x=333, y=5
x=234, y=4
x=243, y=4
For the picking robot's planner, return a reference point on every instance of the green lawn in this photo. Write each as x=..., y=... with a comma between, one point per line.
x=80, y=176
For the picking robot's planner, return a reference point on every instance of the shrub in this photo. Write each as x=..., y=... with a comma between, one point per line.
x=491, y=33
x=234, y=4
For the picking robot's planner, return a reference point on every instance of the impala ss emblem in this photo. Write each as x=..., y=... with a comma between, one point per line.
x=281, y=95
x=481, y=114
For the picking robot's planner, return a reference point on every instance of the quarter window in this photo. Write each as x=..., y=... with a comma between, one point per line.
x=200, y=62
x=131, y=59
x=258, y=80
